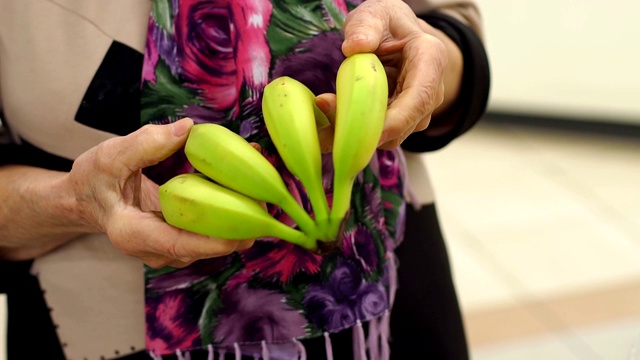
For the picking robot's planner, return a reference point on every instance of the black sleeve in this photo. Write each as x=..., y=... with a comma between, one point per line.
x=474, y=89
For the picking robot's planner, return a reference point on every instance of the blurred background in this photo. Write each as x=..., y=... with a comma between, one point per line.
x=540, y=202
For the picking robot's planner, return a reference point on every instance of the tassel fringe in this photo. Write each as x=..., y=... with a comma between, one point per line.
x=327, y=346
x=376, y=343
x=302, y=352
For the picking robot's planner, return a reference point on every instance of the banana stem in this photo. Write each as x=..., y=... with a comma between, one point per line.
x=341, y=204
x=320, y=209
x=304, y=221
x=295, y=237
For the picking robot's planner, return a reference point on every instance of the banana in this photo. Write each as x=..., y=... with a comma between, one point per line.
x=292, y=119
x=194, y=203
x=228, y=159
x=361, y=105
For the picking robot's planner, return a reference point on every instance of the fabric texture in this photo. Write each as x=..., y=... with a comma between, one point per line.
x=218, y=57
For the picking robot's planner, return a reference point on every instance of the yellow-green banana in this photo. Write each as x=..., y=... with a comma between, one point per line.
x=361, y=105
x=292, y=118
x=228, y=159
x=194, y=203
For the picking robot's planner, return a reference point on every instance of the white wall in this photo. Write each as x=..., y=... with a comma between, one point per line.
x=576, y=58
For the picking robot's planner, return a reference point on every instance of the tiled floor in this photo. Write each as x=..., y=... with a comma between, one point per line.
x=543, y=229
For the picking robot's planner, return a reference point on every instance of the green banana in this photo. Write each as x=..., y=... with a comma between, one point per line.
x=228, y=159
x=361, y=105
x=292, y=119
x=194, y=203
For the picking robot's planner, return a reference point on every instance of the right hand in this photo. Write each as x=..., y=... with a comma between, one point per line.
x=114, y=197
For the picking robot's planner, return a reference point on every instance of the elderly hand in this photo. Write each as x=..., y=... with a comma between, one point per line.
x=118, y=200
x=424, y=66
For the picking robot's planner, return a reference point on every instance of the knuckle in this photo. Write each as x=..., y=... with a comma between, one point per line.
x=147, y=134
x=180, y=264
x=397, y=142
x=227, y=247
x=146, y=130
x=156, y=263
x=427, y=98
x=423, y=125
x=174, y=251
x=102, y=157
x=433, y=50
x=435, y=45
x=392, y=143
x=394, y=128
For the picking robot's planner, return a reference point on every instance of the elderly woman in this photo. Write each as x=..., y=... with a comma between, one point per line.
x=91, y=270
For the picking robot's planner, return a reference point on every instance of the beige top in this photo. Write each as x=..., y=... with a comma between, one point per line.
x=49, y=52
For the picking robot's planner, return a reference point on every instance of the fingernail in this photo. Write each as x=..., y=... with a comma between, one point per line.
x=181, y=127
x=323, y=105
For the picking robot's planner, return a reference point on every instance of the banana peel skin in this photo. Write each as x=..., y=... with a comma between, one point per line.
x=288, y=107
x=228, y=159
x=194, y=203
x=361, y=106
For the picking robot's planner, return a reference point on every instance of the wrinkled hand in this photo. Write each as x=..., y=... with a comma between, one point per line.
x=414, y=58
x=117, y=199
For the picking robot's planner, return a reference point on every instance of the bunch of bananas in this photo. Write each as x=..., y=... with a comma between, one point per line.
x=224, y=201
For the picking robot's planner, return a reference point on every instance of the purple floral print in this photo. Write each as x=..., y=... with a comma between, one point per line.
x=210, y=60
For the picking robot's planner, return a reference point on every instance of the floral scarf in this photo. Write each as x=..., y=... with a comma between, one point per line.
x=210, y=60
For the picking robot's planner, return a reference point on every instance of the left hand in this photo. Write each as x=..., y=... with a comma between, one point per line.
x=415, y=56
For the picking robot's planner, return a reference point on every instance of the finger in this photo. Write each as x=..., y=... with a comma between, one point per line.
x=147, y=146
x=423, y=125
x=364, y=28
x=397, y=141
x=256, y=146
x=137, y=233
x=398, y=127
x=158, y=262
x=371, y=22
x=245, y=244
x=419, y=87
x=327, y=103
x=149, y=200
x=131, y=189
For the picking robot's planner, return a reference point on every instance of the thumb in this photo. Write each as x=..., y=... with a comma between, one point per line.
x=151, y=144
x=363, y=29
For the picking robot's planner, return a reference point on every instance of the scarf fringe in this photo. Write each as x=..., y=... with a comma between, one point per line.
x=327, y=346
x=265, y=351
x=359, y=343
x=302, y=352
x=376, y=343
